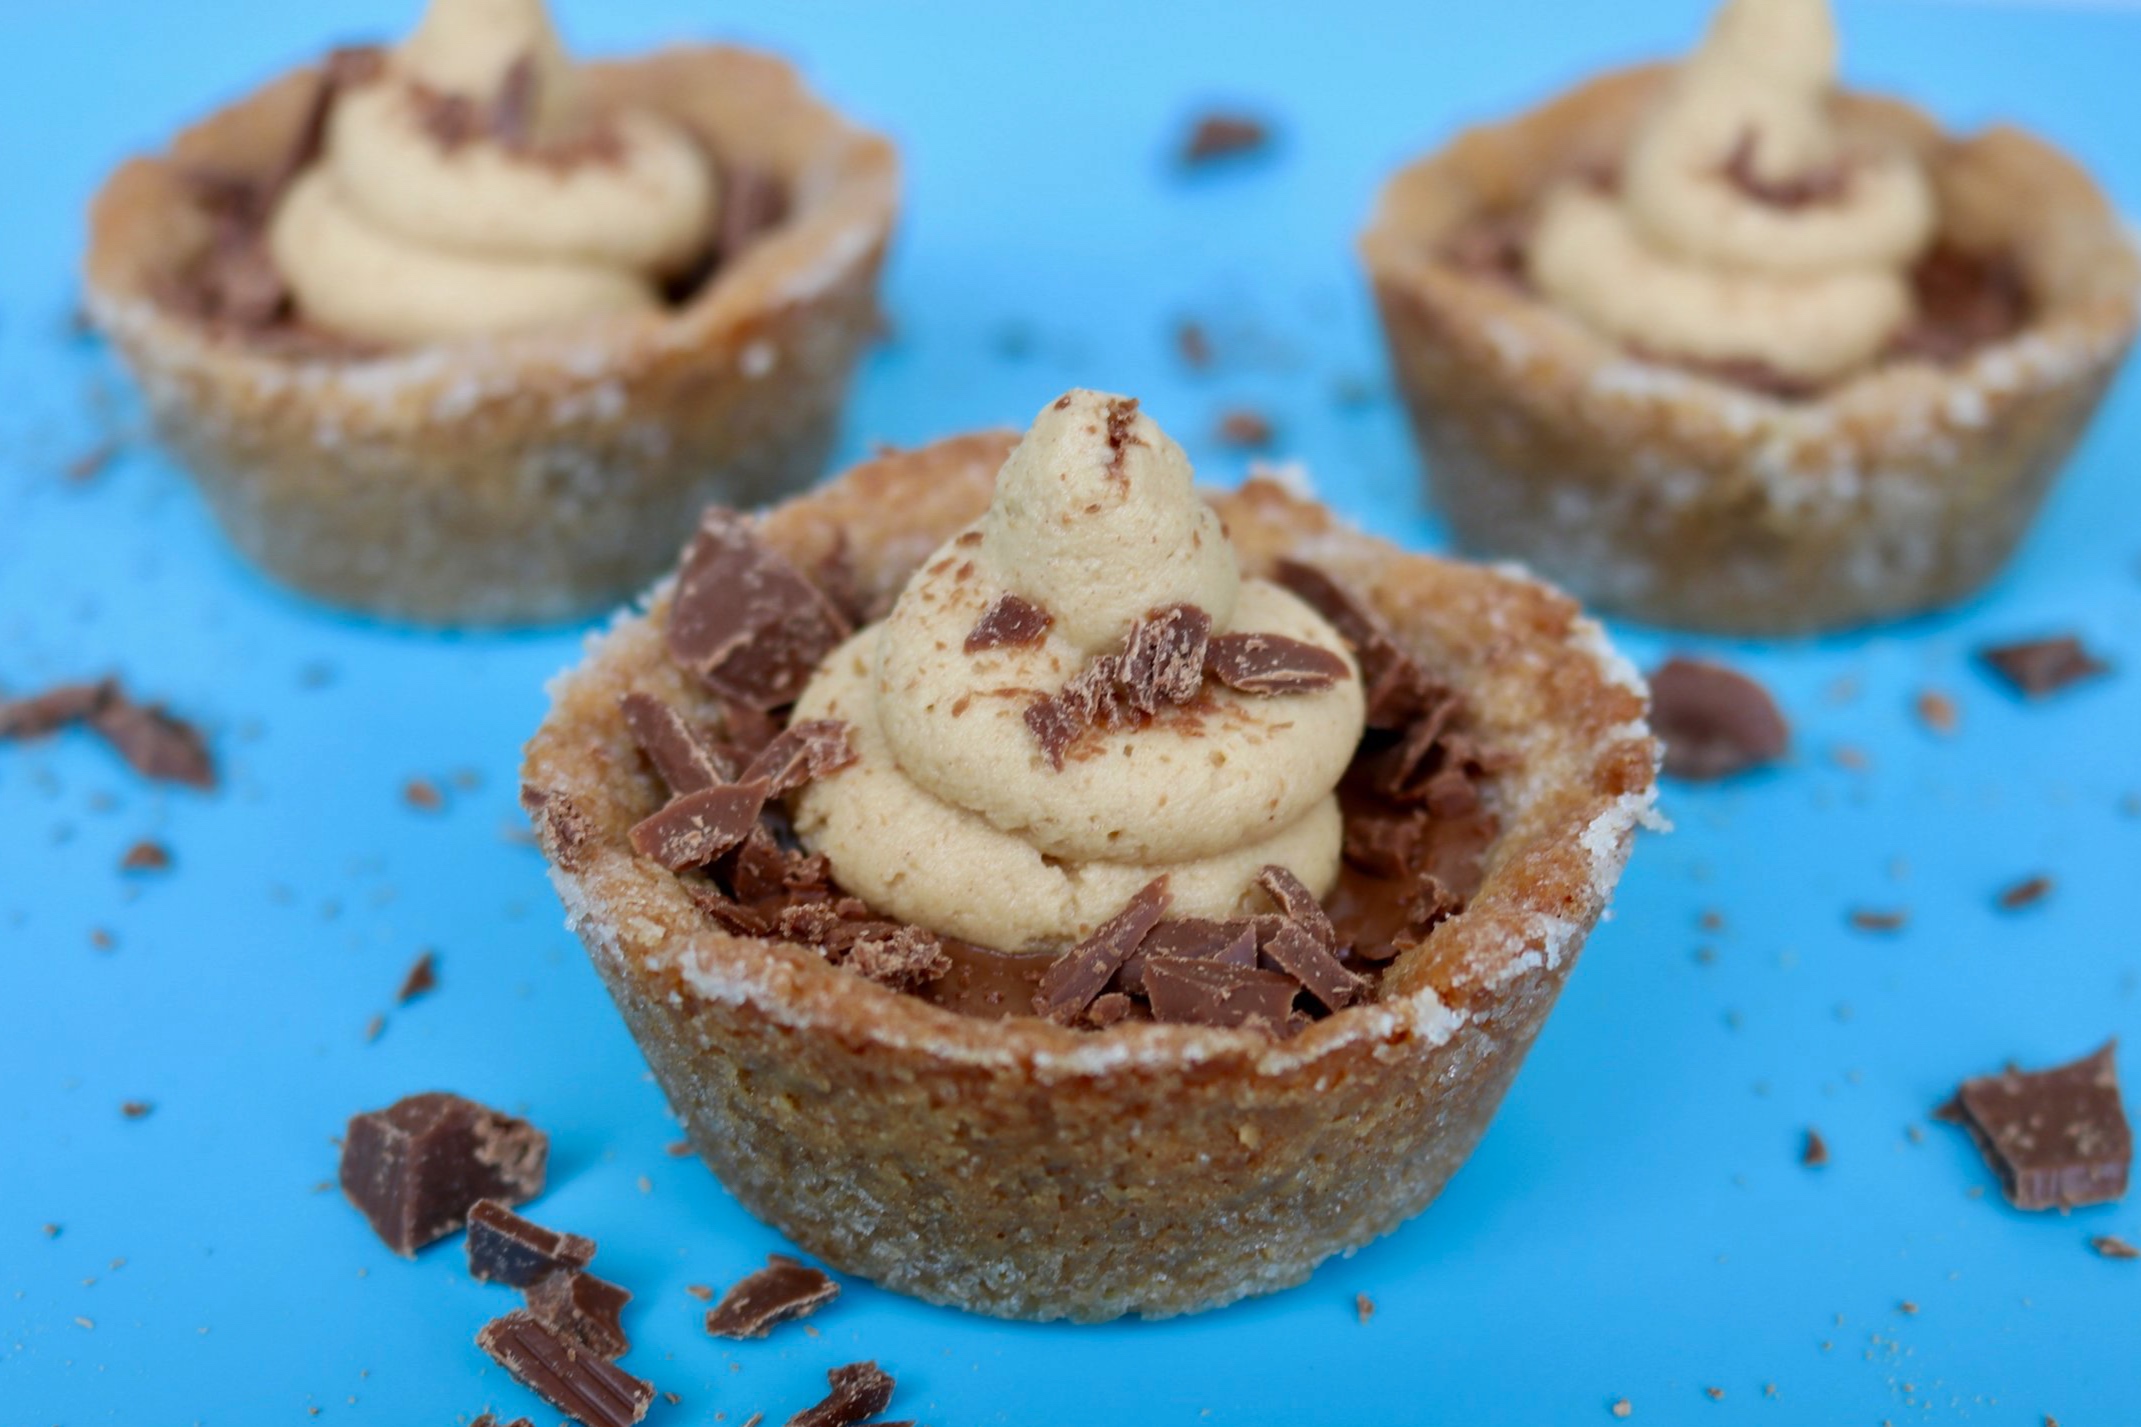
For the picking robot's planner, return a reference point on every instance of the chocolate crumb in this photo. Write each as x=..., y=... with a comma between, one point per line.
x=90, y=464
x=1867, y=919
x=2026, y=893
x=562, y=1372
x=153, y=742
x=1272, y=664
x=423, y=976
x=784, y=1289
x=1245, y=427
x=745, y=619
x=1078, y=976
x=146, y=856
x=37, y=715
x=1814, y=1152
x=860, y=1391
x=374, y=1028
x=414, y=1168
x=1008, y=622
x=905, y=958
x=2111, y=1246
x=1714, y=721
x=1363, y=1307
x=1193, y=345
x=582, y=1307
x=423, y=795
x=2036, y=668
x=136, y=1109
x=1938, y=712
x=505, y=1248
x=2057, y=1138
x=1221, y=134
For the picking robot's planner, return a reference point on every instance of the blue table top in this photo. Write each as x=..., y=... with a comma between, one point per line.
x=1636, y=1225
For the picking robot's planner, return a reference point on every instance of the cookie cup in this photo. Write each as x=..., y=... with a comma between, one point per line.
x=529, y=477
x=1021, y=1169
x=1686, y=501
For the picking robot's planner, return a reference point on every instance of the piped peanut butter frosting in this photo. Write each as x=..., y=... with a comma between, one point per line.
x=1747, y=225
x=1078, y=694
x=466, y=189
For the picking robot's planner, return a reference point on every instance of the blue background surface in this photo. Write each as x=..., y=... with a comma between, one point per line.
x=1636, y=1224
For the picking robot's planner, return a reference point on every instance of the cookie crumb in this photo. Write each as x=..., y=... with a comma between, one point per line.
x=1363, y=1307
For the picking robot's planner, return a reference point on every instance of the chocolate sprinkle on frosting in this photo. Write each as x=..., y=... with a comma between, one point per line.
x=1714, y=722
x=745, y=619
x=1008, y=623
x=1083, y=972
x=784, y=1289
x=582, y=1307
x=1163, y=658
x=505, y=1248
x=860, y=1391
x=2058, y=1138
x=2037, y=667
x=560, y=1370
x=1272, y=664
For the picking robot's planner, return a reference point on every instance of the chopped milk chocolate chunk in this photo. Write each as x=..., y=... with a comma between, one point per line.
x=582, y=1307
x=1825, y=183
x=505, y=1248
x=1163, y=657
x=784, y=1289
x=1214, y=993
x=2037, y=667
x=860, y=1391
x=1083, y=972
x=685, y=759
x=2111, y=1246
x=1009, y=623
x=414, y=1168
x=1297, y=904
x=753, y=203
x=1272, y=664
x=1814, y=1150
x=1056, y=724
x=902, y=957
x=1243, y=426
x=745, y=619
x=1197, y=938
x=799, y=753
x=1398, y=689
x=1714, y=722
x=2057, y=1138
x=490, y=1420
x=36, y=715
x=423, y=976
x=560, y=1370
x=1296, y=951
x=1219, y=135
x=693, y=830
x=146, y=856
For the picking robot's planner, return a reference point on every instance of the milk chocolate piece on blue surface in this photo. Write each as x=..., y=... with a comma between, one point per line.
x=562, y=1371
x=414, y=1168
x=505, y=1248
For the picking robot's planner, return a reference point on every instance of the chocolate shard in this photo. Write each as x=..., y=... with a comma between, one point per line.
x=860, y=1391
x=1082, y=973
x=1714, y=722
x=745, y=619
x=1215, y=993
x=1297, y=904
x=1296, y=952
x=62, y=705
x=1198, y=939
x=584, y=1308
x=1272, y=664
x=488, y=1419
x=1163, y=657
x=422, y=977
x=505, y=1248
x=732, y=916
x=906, y=958
x=1397, y=689
x=1220, y=135
x=696, y=828
x=761, y=867
x=784, y=1289
x=2035, y=668
x=799, y=753
x=154, y=743
x=1008, y=623
x=753, y=203
x=2057, y=1138
x=1056, y=725
x=686, y=760
x=414, y=1168
x=560, y=1370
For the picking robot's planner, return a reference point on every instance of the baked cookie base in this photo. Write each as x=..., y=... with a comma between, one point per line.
x=1021, y=1169
x=1682, y=500
x=526, y=478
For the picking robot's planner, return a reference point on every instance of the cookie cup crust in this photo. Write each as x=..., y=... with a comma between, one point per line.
x=1681, y=500
x=1021, y=1169
x=529, y=477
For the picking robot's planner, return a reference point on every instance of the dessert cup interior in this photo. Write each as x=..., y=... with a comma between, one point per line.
x=1542, y=686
